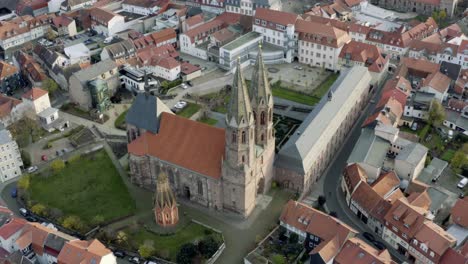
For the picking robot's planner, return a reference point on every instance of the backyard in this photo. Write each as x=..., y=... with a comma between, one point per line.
x=26, y=131
x=189, y=110
x=88, y=187
x=120, y=121
x=167, y=246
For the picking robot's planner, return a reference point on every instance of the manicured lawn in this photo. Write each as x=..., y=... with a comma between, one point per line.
x=120, y=121
x=87, y=187
x=294, y=96
x=189, y=110
x=208, y=121
x=322, y=89
x=167, y=246
x=448, y=155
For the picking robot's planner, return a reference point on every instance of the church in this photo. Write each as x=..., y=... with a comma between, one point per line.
x=222, y=169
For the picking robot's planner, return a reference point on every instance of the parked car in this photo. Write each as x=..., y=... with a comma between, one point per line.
x=189, y=83
x=32, y=169
x=462, y=183
x=150, y=262
x=44, y=158
x=184, y=86
x=119, y=254
x=23, y=212
x=368, y=236
x=450, y=134
x=298, y=68
x=108, y=40
x=180, y=105
x=414, y=127
x=135, y=260
x=379, y=245
x=14, y=192
x=31, y=218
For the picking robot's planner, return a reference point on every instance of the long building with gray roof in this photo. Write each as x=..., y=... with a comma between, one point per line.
x=308, y=152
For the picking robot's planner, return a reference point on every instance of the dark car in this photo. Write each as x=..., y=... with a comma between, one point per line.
x=23, y=212
x=31, y=218
x=119, y=254
x=368, y=236
x=14, y=192
x=379, y=245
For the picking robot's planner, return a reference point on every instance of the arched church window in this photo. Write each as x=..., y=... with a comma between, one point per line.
x=234, y=137
x=261, y=137
x=262, y=118
x=271, y=115
x=200, y=187
x=243, y=137
x=243, y=158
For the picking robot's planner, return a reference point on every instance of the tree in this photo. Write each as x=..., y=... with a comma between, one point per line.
x=51, y=35
x=146, y=250
x=186, y=253
x=98, y=219
x=459, y=161
x=465, y=148
x=24, y=182
x=436, y=113
x=321, y=200
x=26, y=158
x=435, y=16
x=72, y=222
x=122, y=238
x=293, y=238
x=50, y=85
x=442, y=15
x=207, y=247
x=39, y=209
x=57, y=165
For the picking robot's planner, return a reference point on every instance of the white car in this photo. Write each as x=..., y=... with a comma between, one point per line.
x=462, y=183
x=32, y=169
x=184, y=86
x=108, y=40
x=180, y=105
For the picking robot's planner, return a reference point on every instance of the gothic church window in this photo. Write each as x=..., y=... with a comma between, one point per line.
x=262, y=118
x=243, y=158
x=234, y=137
x=200, y=187
x=243, y=137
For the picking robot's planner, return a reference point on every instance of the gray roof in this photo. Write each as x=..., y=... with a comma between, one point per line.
x=55, y=242
x=298, y=152
x=5, y=136
x=456, y=118
x=412, y=153
x=48, y=112
x=95, y=70
x=145, y=112
x=452, y=70
x=369, y=149
x=459, y=232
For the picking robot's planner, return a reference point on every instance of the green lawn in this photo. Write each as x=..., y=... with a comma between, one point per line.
x=322, y=89
x=448, y=155
x=208, y=121
x=167, y=246
x=423, y=132
x=86, y=188
x=294, y=96
x=189, y=110
x=120, y=121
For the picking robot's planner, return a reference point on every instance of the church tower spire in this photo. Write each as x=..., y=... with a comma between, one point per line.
x=239, y=109
x=262, y=103
x=165, y=205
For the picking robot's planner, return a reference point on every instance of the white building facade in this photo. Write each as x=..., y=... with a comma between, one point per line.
x=10, y=157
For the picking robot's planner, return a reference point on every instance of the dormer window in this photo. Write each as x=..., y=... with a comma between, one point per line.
x=423, y=247
x=431, y=254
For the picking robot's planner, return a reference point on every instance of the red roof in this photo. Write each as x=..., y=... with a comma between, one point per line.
x=7, y=104
x=34, y=94
x=186, y=143
x=169, y=63
x=7, y=230
x=188, y=68
x=195, y=20
x=459, y=212
x=368, y=54
x=278, y=17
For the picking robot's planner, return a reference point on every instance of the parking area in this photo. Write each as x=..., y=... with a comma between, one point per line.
x=207, y=66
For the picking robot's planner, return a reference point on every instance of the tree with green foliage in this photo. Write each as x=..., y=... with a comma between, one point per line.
x=122, y=238
x=26, y=158
x=207, y=247
x=39, y=209
x=186, y=253
x=435, y=16
x=57, y=165
x=146, y=250
x=436, y=113
x=24, y=182
x=459, y=161
x=293, y=238
x=50, y=85
x=442, y=15
x=97, y=219
x=72, y=222
x=465, y=148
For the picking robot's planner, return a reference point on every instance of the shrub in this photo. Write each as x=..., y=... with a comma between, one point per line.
x=293, y=238
x=186, y=253
x=73, y=222
x=321, y=200
x=278, y=259
x=26, y=158
x=39, y=209
x=146, y=250
x=57, y=165
x=98, y=219
x=74, y=158
x=24, y=182
x=207, y=247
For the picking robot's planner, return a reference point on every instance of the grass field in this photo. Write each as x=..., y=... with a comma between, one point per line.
x=167, y=246
x=322, y=89
x=208, y=121
x=120, y=121
x=448, y=155
x=87, y=187
x=189, y=110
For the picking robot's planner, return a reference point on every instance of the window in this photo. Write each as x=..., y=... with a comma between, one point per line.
x=234, y=137
x=262, y=118
x=200, y=187
x=243, y=158
x=431, y=254
x=261, y=137
x=243, y=137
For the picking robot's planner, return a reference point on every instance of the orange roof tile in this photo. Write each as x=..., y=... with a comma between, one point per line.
x=400, y=214
x=79, y=251
x=357, y=251
x=321, y=33
x=278, y=17
x=437, y=81
x=34, y=93
x=354, y=174
x=366, y=197
x=169, y=63
x=386, y=183
x=7, y=104
x=459, y=212
x=9, y=229
x=7, y=70
x=195, y=20
x=451, y=256
x=436, y=239
x=186, y=143
x=422, y=200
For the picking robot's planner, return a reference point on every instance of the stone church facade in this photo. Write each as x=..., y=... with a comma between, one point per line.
x=222, y=169
x=420, y=7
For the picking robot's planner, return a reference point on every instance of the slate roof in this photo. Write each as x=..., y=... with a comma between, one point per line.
x=145, y=112
x=95, y=70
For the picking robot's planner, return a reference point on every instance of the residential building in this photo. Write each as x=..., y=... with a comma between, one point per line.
x=322, y=235
x=64, y=26
x=308, y=152
x=11, y=110
x=192, y=22
x=135, y=79
x=410, y=161
x=79, y=251
x=78, y=54
x=10, y=78
x=245, y=48
x=191, y=40
x=120, y=51
x=357, y=53
x=353, y=176
x=458, y=227
x=22, y=30
x=221, y=169
x=106, y=22
x=462, y=54
x=158, y=39
x=357, y=251
x=189, y=71
x=160, y=61
x=277, y=28
x=9, y=233
x=30, y=69
x=143, y=7
x=320, y=45
x=461, y=84
x=438, y=84
x=32, y=7
x=421, y=7
x=72, y=5
x=249, y=7
x=419, y=105
x=10, y=157
x=91, y=88
x=456, y=120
